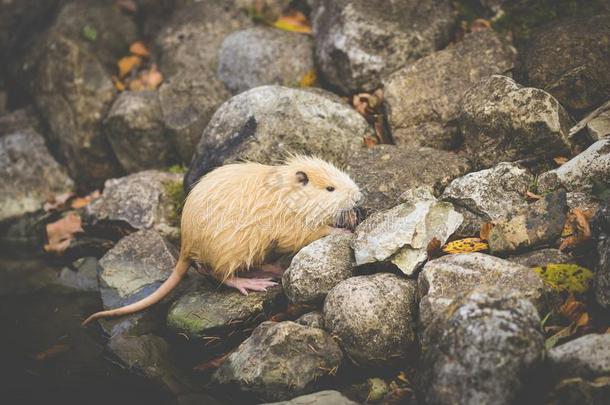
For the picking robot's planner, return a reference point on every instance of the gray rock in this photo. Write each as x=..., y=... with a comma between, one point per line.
x=586, y=357
x=188, y=101
x=135, y=129
x=328, y=397
x=599, y=127
x=149, y=356
x=542, y=257
x=359, y=41
x=72, y=86
x=600, y=225
x=29, y=174
x=281, y=360
x=144, y=200
x=581, y=172
x=569, y=59
x=211, y=310
x=493, y=193
x=314, y=319
x=503, y=121
x=73, y=92
x=134, y=268
x=489, y=344
x=192, y=37
x=373, y=317
x=264, y=123
x=22, y=120
x=258, y=56
x=384, y=172
x=82, y=276
x=423, y=98
x=317, y=268
x=401, y=234
x=540, y=223
x=443, y=280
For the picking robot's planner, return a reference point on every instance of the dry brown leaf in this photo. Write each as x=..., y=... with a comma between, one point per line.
x=119, y=85
x=576, y=230
x=560, y=160
x=212, y=364
x=480, y=24
x=485, y=231
x=127, y=64
x=61, y=232
x=434, y=248
x=127, y=5
x=532, y=196
x=80, y=202
x=139, y=49
x=370, y=142
x=57, y=201
x=51, y=352
x=572, y=309
x=293, y=21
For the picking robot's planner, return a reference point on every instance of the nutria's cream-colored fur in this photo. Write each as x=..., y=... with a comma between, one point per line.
x=237, y=214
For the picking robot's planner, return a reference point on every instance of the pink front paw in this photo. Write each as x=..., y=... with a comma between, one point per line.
x=243, y=285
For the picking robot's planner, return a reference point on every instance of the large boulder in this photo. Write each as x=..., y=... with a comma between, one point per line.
x=328, y=397
x=317, y=268
x=490, y=194
x=144, y=200
x=384, y=172
x=360, y=41
x=423, y=98
x=447, y=278
x=211, y=310
x=599, y=127
x=29, y=174
x=569, y=59
x=134, y=127
x=486, y=351
x=540, y=223
x=581, y=371
x=373, y=317
x=257, y=57
x=72, y=87
x=503, y=121
x=542, y=257
x=600, y=225
x=264, y=123
x=401, y=235
x=281, y=360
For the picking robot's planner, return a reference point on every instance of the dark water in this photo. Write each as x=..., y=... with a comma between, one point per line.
x=46, y=356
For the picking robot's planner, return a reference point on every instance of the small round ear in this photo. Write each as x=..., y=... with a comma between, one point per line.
x=302, y=178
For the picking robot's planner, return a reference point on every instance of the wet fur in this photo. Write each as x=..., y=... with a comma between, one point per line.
x=237, y=214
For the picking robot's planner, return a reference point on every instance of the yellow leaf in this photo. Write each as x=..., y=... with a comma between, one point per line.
x=294, y=22
x=127, y=64
x=467, y=245
x=309, y=79
x=570, y=277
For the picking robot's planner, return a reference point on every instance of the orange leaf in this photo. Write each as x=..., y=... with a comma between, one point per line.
x=127, y=64
x=118, y=84
x=370, y=141
x=138, y=48
x=485, y=231
x=83, y=201
x=572, y=309
x=61, y=232
x=434, y=248
x=309, y=79
x=57, y=201
x=576, y=230
x=560, y=160
x=480, y=24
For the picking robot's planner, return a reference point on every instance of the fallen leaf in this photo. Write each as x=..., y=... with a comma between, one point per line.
x=309, y=79
x=562, y=334
x=480, y=24
x=119, y=85
x=565, y=277
x=532, y=196
x=293, y=21
x=51, y=352
x=127, y=64
x=466, y=245
x=560, y=160
x=127, y=5
x=370, y=142
x=57, y=201
x=572, y=308
x=80, y=202
x=576, y=230
x=61, y=232
x=485, y=231
x=89, y=33
x=434, y=248
x=213, y=363
x=139, y=49
x=147, y=80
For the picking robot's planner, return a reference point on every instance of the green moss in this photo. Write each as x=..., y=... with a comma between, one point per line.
x=175, y=196
x=177, y=169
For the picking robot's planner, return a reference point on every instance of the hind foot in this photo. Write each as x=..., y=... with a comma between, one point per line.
x=243, y=285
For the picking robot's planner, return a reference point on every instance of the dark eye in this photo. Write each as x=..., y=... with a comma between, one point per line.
x=330, y=188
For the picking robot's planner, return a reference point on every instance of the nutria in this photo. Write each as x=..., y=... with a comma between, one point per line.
x=238, y=213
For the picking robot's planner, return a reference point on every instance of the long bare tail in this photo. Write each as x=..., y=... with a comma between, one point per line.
x=168, y=285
